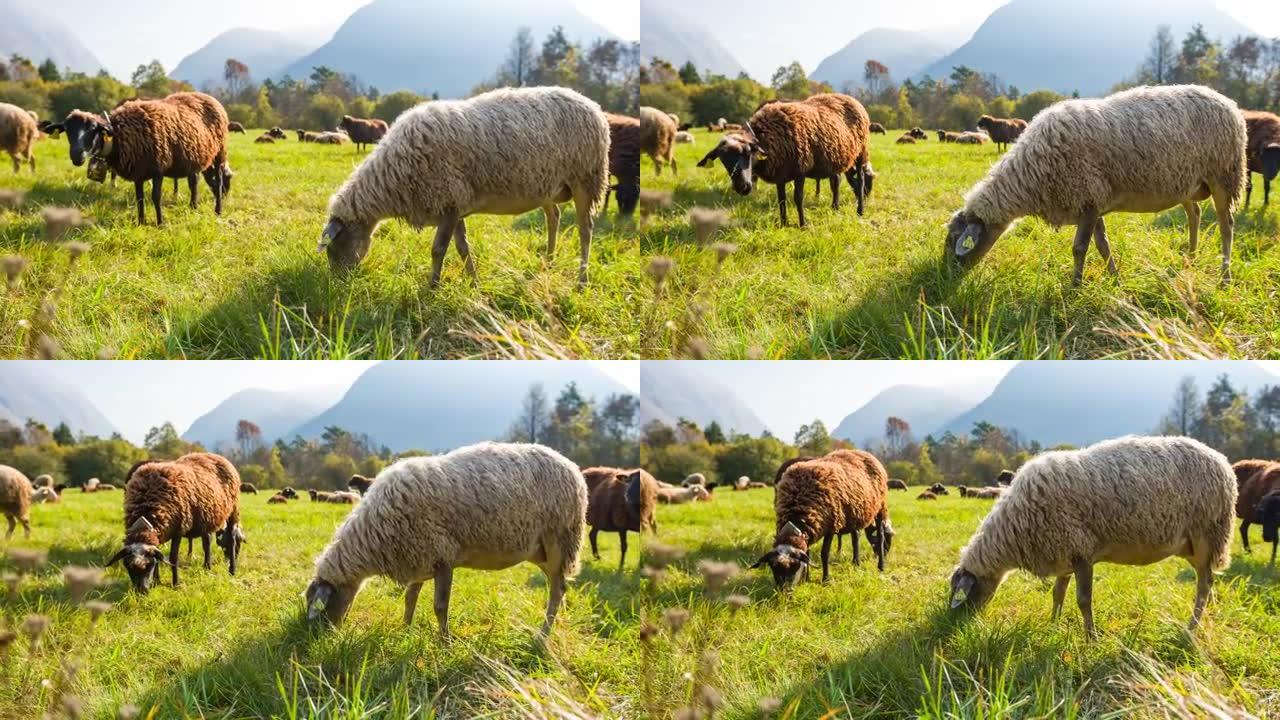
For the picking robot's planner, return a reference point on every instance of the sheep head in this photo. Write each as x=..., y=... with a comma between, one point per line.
x=1268, y=514
x=1270, y=157
x=873, y=536
x=346, y=242
x=970, y=591
x=330, y=600
x=230, y=540
x=785, y=559
x=141, y=560
x=737, y=153
x=968, y=239
x=86, y=134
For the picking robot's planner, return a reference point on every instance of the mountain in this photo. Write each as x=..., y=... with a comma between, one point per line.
x=29, y=31
x=440, y=405
x=904, y=52
x=1048, y=44
x=672, y=37
x=276, y=413
x=28, y=392
x=925, y=408
x=1084, y=402
x=266, y=52
x=445, y=47
x=678, y=389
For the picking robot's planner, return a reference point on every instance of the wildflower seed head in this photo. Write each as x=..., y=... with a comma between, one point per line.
x=661, y=555
x=13, y=265
x=716, y=574
x=675, y=618
x=27, y=561
x=81, y=581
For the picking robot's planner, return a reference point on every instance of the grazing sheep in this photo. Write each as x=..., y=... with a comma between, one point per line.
x=1002, y=131
x=265, y=139
x=289, y=492
x=1132, y=500
x=939, y=489
x=844, y=491
x=533, y=507
x=18, y=134
x=987, y=493
x=877, y=129
x=1255, y=480
x=694, y=479
x=363, y=131
x=320, y=495
x=896, y=484
x=278, y=133
x=963, y=489
x=178, y=137
x=359, y=483
x=625, y=502
x=15, y=500
x=277, y=499
x=926, y=495
x=1181, y=144
x=824, y=136
x=624, y=161
x=1263, y=152
x=918, y=133
x=233, y=126
x=45, y=494
x=91, y=485
x=972, y=138
x=680, y=495
x=307, y=136
x=196, y=495
x=344, y=497
x=684, y=137
x=466, y=157
x=948, y=137
x=741, y=483
x=248, y=488
x=105, y=486
x=657, y=139
x=44, y=480
x=1005, y=477
x=905, y=140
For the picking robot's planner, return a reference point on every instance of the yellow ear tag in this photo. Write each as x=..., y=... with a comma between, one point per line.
x=106, y=143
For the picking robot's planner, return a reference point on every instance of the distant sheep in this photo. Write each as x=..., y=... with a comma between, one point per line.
x=459, y=154
x=18, y=135
x=45, y=495
x=320, y=495
x=926, y=495
x=1257, y=480
x=972, y=138
x=681, y=495
x=344, y=497
x=1005, y=477
x=694, y=479
x=277, y=499
x=986, y=493
x=895, y=484
x=1003, y=131
x=877, y=129
x=15, y=500
x=289, y=493
x=626, y=502
x=264, y=139
x=1133, y=500
x=657, y=139
x=939, y=489
x=363, y=131
x=307, y=136
x=278, y=133
x=905, y=139
x=845, y=491
x=684, y=137
x=90, y=485
x=948, y=137
x=248, y=488
x=235, y=127
x=359, y=483
x=1263, y=152
x=45, y=480
x=1140, y=150
x=196, y=495
x=918, y=133
x=533, y=510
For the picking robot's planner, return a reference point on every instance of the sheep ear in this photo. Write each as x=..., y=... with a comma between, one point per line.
x=158, y=554
x=960, y=589
x=706, y=160
x=765, y=559
x=115, y=558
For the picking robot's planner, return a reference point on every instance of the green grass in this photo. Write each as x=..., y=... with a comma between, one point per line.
x=250, y=284
x=873, y=287
x=864, y=645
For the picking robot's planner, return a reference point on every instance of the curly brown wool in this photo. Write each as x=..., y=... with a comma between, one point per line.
x=625, y=502
x=1262, y=150
x=1003, y=131
x=363, y=131
x=1256, y=479
x=658, y=138
x=624, y=161
x=15, y=499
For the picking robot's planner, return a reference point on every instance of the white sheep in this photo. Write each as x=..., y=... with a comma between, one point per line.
x=18, y=135
x=43, y=495
x=1142, y=150
x=505, y=152
x=488, y=506
x=684, y=137
x=681, y=495
x=1132, y=500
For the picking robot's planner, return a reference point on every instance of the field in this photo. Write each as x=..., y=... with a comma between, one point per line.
x=250, y=284
x=874, y=287
x=864, y=645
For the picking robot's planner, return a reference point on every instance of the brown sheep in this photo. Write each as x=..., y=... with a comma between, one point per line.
x=1003, y=131
x=235, y=127
x=360, y=484
x=1257, y=481
x=264, y=139
x=307, y=136
x=878, y=129
x=320, y=495
x=987, y=493
x=248, y=488
x=973, y=138
x=277, y=499
x=948, y=137
x=1263, y=151
x=844, y=491
x=926, y=495
x=363, y=131
x=15, y=500
x=964, y=490
x=896, y=484
x=905, y=139
x=18, y=134
x=624, y=161
x=194, y=496
x=658, y=138
x=625, y=502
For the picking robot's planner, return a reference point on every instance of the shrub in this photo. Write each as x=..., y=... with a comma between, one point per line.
x=391, y=106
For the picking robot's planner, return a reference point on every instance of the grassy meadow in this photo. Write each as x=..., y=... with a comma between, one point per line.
x=251, y=284
x=873, y=287
x=864, y=645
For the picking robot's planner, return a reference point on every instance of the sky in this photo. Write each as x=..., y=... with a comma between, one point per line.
x=764, y=34
x=137, y=395
x=788, y=394
x=151, y=23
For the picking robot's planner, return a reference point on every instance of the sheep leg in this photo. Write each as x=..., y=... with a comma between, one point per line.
x=1060, y=594
x=189, y=540
x=176, y=545
x=1244, y=534
x=782, y=202
x=835, y=192
x=858, y=181
x=17, y=164
x=439, y=247
x=882, y=536
x=555, y=596
x=586, y=223
x=826, y=557
x=1248, y=188
x=26, y=533
x=443, y=585
x=799, y=199
x=839, y=544
x=1193, y=226
x=1273, y=544
x=857, y=551
x=204, y=545
x=411, y=601
x=192, y=186
x=219, y=176
x=464, y=249
x=1226, y=228
x=595, y=551
x=1084, y=594
x=12, y=524
x=1104, y=247
x=1080, y=248
x=139, y=193
x=1204, y=588
x=622, y=543
x=817, y=189
x=1266, y=185
x=157, y=194
x=552, y=211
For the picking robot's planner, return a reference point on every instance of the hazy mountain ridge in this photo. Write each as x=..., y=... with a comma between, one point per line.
x=674, y=389
x=904, y=52
x=28, y=31
x=926, y=409
x=276, y=413
x=671, y=36
x=26, y=392
x=265, y=52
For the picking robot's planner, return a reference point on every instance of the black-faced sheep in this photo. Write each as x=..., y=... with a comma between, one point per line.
x=1005, y=477
x=939, y=489
x=18, y=134
x=15, y=500
x=504, y=152
x=307, y=136
x=623, y=503
x=183, y=135
x=278, y=133
x=289, y=493
x=918, y=133
x=658, y=139
x=359, y=483
x=196, y=495
x=235, y=127
x=1263, y=151
x=1133, y=500
x=1255, y=480
x=1140, y=150
x=363, y=131
x=824, y=136
x=1002, y=131
x=624, y=161
x=320, y=495
x=845, y=491
x=533, y=510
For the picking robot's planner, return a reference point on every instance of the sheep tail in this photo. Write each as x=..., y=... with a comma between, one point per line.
x=1219, y=538
x=569, y=542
